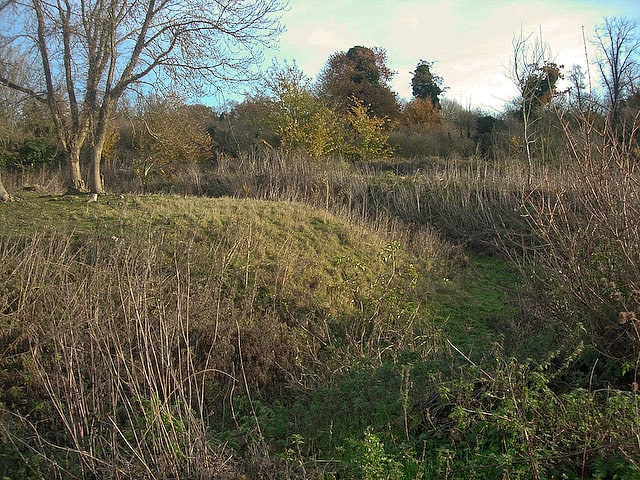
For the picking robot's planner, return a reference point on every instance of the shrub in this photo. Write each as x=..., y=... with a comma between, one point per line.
x=367, y=138
x=30, y=154
x=587, y=264
x=436, y=141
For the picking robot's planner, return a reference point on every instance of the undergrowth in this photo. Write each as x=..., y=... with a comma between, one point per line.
x=172, y=337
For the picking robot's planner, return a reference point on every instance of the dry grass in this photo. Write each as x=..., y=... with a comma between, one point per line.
x=145, y=319
x=134, y=337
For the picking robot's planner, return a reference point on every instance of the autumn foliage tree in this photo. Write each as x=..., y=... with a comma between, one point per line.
x=423, y=111
x=420, y=113
x=368, y=138
x=167, y=132
x=292, y=117
x=360, y=73
x=301, y=121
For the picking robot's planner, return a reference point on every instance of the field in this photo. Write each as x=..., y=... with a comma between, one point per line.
x=273, y=316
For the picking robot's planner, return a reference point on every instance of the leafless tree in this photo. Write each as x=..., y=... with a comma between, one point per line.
x=530, y=54
x=88, y=53
x=618, y=42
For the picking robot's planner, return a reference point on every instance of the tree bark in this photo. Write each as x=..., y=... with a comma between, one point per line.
x=100, y=134
x=76, y=182
x=96, y=185
x=4, y=195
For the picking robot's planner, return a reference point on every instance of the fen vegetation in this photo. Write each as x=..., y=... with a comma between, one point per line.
x=322, y=281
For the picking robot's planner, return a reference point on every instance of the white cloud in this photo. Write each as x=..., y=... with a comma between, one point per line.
x=470, y=41
x=322, y=37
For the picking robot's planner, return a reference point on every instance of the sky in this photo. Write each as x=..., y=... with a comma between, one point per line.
x=470, y=41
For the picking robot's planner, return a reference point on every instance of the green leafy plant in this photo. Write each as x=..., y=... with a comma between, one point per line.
x=367, y=458
x=368, y=138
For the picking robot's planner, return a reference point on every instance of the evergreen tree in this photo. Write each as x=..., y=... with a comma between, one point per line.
x=426, y=85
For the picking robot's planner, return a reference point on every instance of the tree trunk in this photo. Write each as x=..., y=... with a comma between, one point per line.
x=76, y=182
x=100, y=135
x=527, y=142
x=4, y=195
x=95, y=179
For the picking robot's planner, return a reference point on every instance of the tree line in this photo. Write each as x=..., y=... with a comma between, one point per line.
x=89, y=101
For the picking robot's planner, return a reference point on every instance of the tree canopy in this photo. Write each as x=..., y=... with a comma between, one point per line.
x=539, y=87
x=426, y=85
x=359, y=73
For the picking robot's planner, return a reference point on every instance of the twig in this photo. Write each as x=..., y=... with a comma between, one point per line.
x=488, y=375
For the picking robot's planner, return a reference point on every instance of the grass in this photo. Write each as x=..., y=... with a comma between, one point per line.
x=478, y=305
x=252, y=338
x=330, y=294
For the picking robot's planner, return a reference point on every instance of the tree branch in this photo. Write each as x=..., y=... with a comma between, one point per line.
x=40, y=97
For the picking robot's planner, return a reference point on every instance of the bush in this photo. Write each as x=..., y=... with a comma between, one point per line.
x=30, y=154
x=436, y=141
x=587, y=263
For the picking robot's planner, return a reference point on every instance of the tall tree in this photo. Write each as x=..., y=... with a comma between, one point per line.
x=359, y=73
x=425, y=85
x=89, y=52
x=618, y=41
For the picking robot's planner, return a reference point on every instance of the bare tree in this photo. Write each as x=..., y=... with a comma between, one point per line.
x=535, y=75
x=528, y=55
x=618, y=42
x=89, y=52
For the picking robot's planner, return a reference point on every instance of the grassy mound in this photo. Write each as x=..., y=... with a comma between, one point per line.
x=172, y=337
x=127, y=325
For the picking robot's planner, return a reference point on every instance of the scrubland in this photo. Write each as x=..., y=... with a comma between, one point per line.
x=273, y=316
